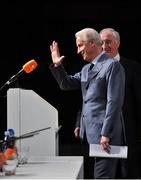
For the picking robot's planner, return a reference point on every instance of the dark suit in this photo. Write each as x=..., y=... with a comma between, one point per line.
x=132, y=114
x=103, y=94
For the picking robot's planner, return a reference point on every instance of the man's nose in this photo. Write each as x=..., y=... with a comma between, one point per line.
x=78, y=51
x=103, y=45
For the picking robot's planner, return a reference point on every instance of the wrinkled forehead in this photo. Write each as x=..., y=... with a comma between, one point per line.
x=79, y=40
x=107, y=36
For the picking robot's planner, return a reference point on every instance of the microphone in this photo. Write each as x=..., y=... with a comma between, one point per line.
x=27, y=68
x=30, y=66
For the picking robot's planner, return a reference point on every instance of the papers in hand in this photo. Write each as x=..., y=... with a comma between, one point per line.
x=96, y=150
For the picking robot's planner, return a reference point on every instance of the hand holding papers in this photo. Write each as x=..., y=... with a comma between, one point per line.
x=116, y=151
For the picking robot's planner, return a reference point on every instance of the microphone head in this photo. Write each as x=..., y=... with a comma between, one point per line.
x=30, y=66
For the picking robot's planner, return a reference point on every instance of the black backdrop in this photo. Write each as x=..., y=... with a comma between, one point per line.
x=27, y=30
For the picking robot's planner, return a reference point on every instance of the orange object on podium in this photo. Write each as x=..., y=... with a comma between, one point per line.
x=2, y=160
x=10, y=153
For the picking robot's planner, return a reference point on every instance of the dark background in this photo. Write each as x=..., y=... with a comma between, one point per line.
x=27, y=29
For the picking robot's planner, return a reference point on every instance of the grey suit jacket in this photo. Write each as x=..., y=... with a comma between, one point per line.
x=103, y=93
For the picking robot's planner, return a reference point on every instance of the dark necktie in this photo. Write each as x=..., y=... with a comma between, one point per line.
x=91, y=66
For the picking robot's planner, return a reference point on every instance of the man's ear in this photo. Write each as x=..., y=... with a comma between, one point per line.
x=93, y=42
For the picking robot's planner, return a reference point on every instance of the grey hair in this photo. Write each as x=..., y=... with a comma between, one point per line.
x=115, y=33
x=89, y=34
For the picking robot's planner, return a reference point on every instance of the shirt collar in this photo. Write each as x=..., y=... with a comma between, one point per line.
x=117, y=57
x=94, y=61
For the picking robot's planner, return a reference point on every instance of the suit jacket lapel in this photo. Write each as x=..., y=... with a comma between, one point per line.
x=96, y=69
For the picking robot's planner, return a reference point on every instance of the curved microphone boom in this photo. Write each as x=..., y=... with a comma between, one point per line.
x=27, y=68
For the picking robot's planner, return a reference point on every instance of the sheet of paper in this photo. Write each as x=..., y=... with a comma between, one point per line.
x=95, y=150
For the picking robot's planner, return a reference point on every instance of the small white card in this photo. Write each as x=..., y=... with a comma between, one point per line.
x=96, y=150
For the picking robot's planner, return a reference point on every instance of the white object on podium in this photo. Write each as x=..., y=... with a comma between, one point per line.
x=116, y=151
x=27, y=112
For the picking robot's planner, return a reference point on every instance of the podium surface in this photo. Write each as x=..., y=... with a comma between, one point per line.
x=28, y=112
x=57, y=167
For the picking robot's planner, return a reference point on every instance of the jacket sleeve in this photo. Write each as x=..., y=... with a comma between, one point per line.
x=115, y=80
x=65, y=81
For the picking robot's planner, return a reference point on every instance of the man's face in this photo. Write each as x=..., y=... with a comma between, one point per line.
x=85, y=49
x=110, y=43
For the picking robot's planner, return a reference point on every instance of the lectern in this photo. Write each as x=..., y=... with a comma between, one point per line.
x=28, y=112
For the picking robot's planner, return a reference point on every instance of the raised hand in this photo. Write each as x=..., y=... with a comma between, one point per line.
x=55, y=54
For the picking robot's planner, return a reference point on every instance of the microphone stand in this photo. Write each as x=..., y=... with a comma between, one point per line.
x=32, y=133
x=12, y=79
x=11, y=140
